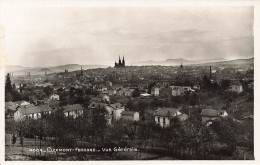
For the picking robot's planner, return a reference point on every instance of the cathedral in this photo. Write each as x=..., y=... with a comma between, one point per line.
x=120, y=63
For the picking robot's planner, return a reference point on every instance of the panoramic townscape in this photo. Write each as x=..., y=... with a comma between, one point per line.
x=129, y=82
x=202, y=111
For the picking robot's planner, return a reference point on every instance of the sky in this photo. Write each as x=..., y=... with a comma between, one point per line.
x=50, y=36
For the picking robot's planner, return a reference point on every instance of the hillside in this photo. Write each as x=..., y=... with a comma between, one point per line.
x=20, y=70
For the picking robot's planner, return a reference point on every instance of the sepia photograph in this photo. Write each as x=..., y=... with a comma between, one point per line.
x=128, y=83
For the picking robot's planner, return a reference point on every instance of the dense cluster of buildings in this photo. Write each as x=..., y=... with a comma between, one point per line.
x=114, y=83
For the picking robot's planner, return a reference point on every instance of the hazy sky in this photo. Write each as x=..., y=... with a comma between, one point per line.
x=47, y=36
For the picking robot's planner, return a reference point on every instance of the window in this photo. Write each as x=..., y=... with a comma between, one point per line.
x=164, y=121
x=158, y=119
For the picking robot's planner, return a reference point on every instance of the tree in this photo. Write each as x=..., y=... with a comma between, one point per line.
x=48, y=90
x=206, y=82
x=130, y=105
x=225, y=131
x=145, y=132
x=116, y=131
x=82, y=126
x=8, y=96
x=8, y=84
x=225, y=83
x=99, y=123
x=136, y=93
x=150, y=87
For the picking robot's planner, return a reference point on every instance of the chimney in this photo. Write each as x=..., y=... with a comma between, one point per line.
x=210, y=72
x=29, y=74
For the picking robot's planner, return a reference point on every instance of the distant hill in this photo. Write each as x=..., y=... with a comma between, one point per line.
x=177, y=61
x=233, y=62
x=20, y=70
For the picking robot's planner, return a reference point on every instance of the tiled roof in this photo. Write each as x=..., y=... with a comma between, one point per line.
x=116, y=105
x=211, y=112
x=166, y=112
x=34, y=109
x=96, y=105
x=73, y=107
x=183, y=117
x=54, y=103
x=11, y=107
x=128, y=113
x=9, y=103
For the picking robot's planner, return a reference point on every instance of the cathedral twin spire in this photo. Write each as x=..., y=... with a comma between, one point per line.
x=120, y=63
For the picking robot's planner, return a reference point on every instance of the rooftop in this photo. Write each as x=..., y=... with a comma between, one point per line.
x=131, y=113
x=34, y=109
x=73, y=107
x=211, y=112
x=166, y=112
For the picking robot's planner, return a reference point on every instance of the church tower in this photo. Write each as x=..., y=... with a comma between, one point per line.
x=119, y=62
x=123, y=63
x=81, y=71
x=181, y=65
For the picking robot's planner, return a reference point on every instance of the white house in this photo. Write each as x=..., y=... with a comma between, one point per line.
x=130, y=115
x=176, y=91
x=33, y=112
x=179, y=90
x=114, y=110
x=155, y=91
x=55, y=97
x=236, y=87
x=163, y=116
x=207, y=115
x=74, y=110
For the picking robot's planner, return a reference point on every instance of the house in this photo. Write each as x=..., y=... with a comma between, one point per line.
x=74, y=110
x=109, y=83
x=122, y=91
x=179, y=90
x=95, y=105
x=155, y=91
x=101, y=88
x=8, y=104
x=207, y=115
x=165, y=92
x=111, y=92
x=163, y=116
x=114, y=111
x=236, y=87
x=251, y=85
x=176, y=91
x=10, y=108
x=196, y=87
x=130, y=115
x=104, y=97
x=30, y=111
x=129, y=92
x=117, y=87
x=21, y=103
x=54, y=97
x=46, y=85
